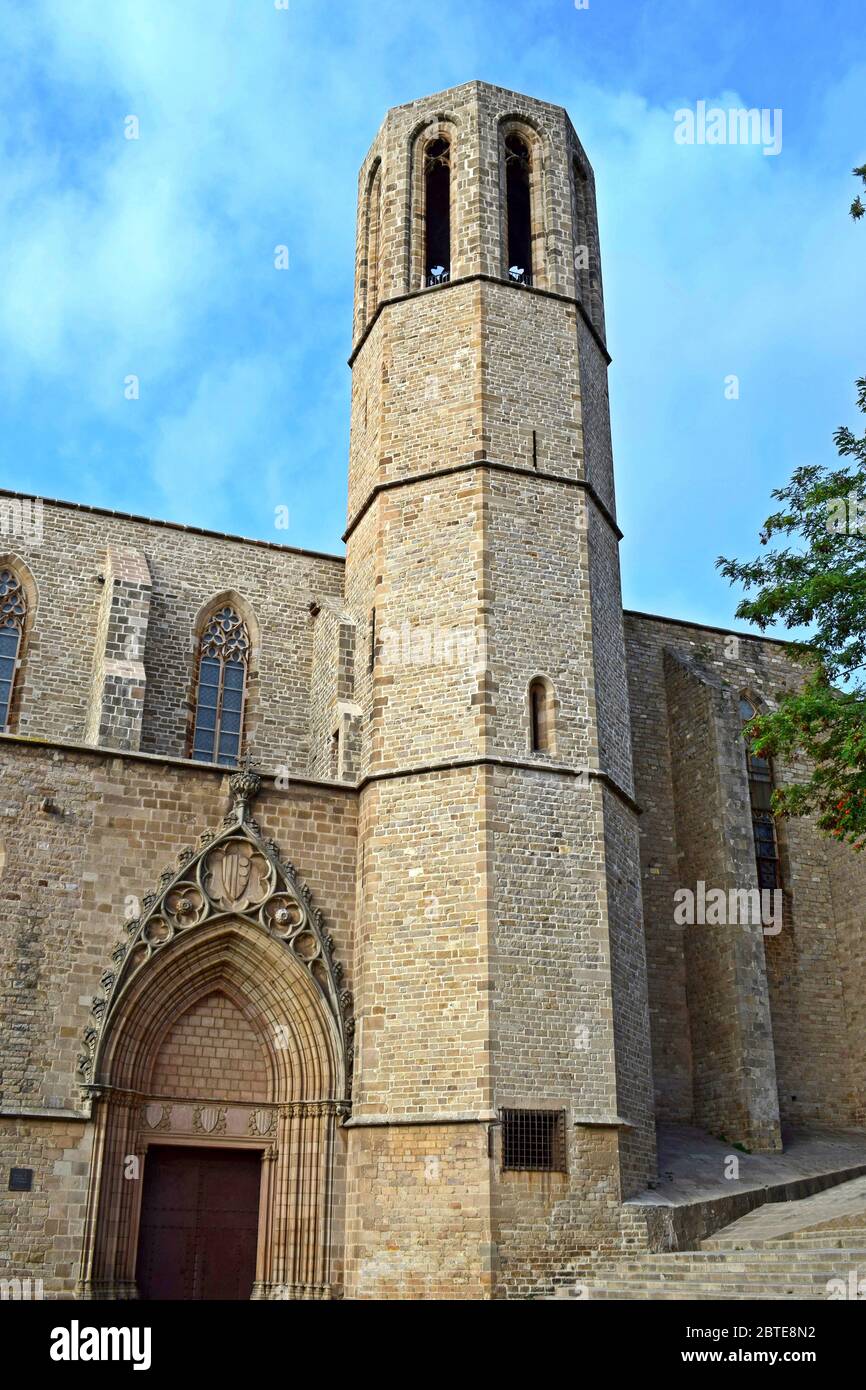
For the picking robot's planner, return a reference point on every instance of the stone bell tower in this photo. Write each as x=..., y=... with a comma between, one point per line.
x=502, y=1096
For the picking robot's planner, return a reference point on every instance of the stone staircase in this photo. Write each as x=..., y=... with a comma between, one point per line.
x=781, y=1250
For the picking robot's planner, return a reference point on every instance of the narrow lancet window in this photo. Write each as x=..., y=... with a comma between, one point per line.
x=437, y=213
x=13, y=614
x=581, y=232
x=222, y=678
x=540, y=720
x=760, y=776
x=518, y=210
x=374, y=216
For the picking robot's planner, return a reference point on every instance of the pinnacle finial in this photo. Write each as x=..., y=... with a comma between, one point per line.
x=244, y=785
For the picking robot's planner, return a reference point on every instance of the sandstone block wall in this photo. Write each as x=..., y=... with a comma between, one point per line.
x=505, y=883
x=848, y=896
x=427, y=1233
x=813, y=1031
x=734, y=1091
x=473, y=117
x=116, y=711
x=90, y=569
x=72, y=873
x=334, y=712
x=211, y=1051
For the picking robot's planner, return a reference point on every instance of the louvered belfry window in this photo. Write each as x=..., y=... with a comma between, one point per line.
x=518, y=209
x=222, y=678
x=437, y=213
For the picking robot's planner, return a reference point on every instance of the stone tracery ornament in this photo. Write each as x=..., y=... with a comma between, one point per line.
x=13, y=605
x=234, y=873
x=225, y=637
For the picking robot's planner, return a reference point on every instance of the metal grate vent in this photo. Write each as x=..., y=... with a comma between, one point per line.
x=533, y=1140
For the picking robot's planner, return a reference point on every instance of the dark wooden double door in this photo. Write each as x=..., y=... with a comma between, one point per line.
x=199, y=1223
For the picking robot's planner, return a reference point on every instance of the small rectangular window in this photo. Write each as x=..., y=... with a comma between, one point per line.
x=533, y=1141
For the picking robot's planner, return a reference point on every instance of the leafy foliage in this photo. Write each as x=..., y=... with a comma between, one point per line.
x=819, y=583
x=814, y=577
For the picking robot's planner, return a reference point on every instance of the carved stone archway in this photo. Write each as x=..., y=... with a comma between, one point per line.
x=232, y=918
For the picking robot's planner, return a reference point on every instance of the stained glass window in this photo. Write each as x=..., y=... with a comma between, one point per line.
x=222, y=675
x=13, y=612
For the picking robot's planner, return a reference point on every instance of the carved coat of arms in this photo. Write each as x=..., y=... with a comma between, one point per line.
x=237, y=875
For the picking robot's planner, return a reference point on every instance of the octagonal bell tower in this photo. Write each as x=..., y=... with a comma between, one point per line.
x=502, y=1094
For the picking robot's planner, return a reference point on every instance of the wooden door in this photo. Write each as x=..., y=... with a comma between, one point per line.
x=199, y=1223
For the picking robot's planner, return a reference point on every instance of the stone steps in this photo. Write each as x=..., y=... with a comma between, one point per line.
x=780, y=1250
x=841, y=1239
x=773, y=1273
x=837, y=1212
x=691, y=1292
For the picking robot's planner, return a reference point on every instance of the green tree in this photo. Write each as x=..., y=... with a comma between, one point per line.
x=813, y=576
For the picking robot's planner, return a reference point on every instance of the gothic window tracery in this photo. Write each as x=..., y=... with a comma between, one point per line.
x=374, y=220
x=224, y=652
x=13, y=615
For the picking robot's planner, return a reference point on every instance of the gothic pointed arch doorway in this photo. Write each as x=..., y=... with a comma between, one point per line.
x=224, y=1041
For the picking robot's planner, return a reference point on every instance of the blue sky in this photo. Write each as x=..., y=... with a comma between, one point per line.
x=154, y=256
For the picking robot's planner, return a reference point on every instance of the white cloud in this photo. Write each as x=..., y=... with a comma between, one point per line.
x=155, y=256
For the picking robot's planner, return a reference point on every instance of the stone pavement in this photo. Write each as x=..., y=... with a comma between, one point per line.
x=692, y=1164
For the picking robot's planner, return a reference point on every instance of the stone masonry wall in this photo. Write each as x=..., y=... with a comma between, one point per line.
x=75, y=872
x=188, y=569
x=211, y=1051
x=71, y=874
x=334, y=714
x=419, y=1224
x=848, y=883
x=735, y=1093
x=537, y=571
x=473, y=116
x=117, y=699
x=41, y=1230
x=813, y=1033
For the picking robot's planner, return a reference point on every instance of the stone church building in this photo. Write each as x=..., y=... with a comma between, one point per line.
x=339, y=946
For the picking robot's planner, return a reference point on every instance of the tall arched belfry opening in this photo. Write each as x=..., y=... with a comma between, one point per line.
x=340, y=943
